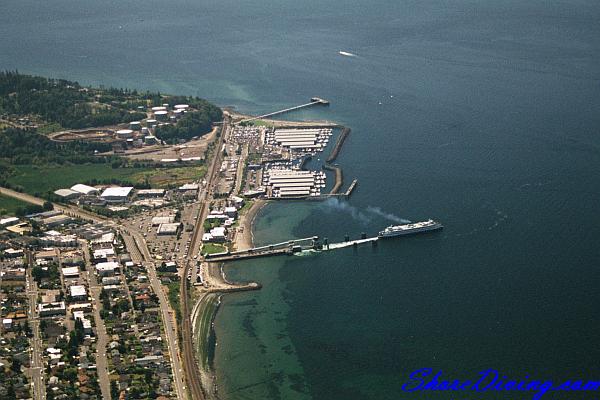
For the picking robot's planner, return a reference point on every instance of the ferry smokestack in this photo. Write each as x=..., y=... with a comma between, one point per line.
x=363, y=235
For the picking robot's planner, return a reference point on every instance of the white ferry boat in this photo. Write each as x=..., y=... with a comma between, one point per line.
x=409, y=229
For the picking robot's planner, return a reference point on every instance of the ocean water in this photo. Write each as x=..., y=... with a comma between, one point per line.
x=484, y=115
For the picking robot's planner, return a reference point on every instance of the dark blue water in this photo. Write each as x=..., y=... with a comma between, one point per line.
x=483, y=115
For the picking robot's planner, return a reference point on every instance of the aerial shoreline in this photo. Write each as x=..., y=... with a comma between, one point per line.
x=206, y=307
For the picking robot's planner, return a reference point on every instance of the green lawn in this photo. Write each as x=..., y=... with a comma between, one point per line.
x=40, y=179
x=211, y=248
x=8, y=205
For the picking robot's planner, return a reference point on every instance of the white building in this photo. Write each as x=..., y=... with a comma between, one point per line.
x=165, y=219
x=103, y=254
x=87, y=324
x=77, y=292
x=70, y=272
x=8, y=221
x=84, y=189
x=231, y=212
x=67, y=194
x=218, y=234
x=188, y=186
x=107, y=268
x=168, y=229
x=116, y=194
x=48, y=309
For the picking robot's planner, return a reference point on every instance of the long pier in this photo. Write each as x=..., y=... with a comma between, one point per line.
x=314, y=101
x=286, y=248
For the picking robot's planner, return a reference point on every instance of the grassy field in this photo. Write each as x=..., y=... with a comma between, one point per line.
x=211, y=248
x=8, y=205
x=40, y=179
x=171, y=177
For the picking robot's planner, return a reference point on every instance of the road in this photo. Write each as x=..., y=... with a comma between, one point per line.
x=101, y=360
x=37, y=362
x=68, y=210
x=138, y=249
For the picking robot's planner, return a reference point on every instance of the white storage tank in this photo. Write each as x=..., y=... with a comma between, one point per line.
x=161, y=115
x=124, y=133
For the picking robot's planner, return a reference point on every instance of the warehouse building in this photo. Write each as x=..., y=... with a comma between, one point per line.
x=85, y=189
x=77, y=292
x=117, y=194
x=168, y=229
x=147, y=193
x=165, y=219
x=67, y=194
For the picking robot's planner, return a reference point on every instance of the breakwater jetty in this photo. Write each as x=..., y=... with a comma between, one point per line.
x=338, y=145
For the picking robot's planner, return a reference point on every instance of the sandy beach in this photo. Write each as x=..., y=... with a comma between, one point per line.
x=244, y=238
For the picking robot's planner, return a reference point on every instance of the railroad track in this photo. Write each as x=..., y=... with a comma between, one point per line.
x=188, y=352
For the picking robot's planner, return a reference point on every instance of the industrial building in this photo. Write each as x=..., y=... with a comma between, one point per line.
x=116, y=194
x=85, y=189
x=165, y=219
x=145, y=193
x=168, y=229
x=288, y=183
x=67, y=194
x=304, y=140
